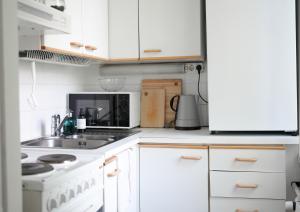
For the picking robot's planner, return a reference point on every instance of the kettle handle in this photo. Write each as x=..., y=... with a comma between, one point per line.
x=172, y=102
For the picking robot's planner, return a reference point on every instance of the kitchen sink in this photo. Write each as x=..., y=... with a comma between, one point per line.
x=78, y=141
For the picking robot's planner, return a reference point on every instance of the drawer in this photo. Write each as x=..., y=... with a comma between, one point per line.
x=261, y=160
x=246, y=205
x=248, y=185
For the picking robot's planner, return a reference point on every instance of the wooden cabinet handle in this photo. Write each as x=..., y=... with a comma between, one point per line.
x=152, y=50
x=240, y=185
x=241, y=210
x=190, y=158
x=89, y=47
x=246, y=160
x=76, y=44
x=114, y=173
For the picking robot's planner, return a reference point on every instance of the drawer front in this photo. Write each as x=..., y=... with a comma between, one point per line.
x=247, y=160
x=246, y=205
x=248, y=185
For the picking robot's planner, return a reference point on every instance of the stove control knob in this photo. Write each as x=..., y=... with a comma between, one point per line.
x=62, y=199
x=71, y=194
x=51, y=204
x=86, y=186
x=93, y=182
x=79, y=189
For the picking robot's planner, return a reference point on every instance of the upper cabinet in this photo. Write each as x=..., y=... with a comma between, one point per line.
x=95, y=27
x=123, y=30
x=156, y=30
x=171, y=30
x=89, y=23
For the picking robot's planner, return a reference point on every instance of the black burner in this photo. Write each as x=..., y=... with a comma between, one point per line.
x=56, y=158
x=23, y=156
x=35, y=168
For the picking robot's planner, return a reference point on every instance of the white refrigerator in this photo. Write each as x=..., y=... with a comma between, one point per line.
x=252, y=65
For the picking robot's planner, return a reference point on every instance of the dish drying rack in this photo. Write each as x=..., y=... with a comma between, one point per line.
x=44, y=56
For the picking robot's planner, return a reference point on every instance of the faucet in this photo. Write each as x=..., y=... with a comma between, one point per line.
x=57, y=125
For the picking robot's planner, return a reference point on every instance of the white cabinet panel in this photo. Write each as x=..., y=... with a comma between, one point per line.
x=173, y=179
x=95, y=27
x=170, y=28
x=248, y=185
x=128, y=180
x=252, y=73
x=64, y=42
x=247, y=160
x=246, y=205
x=123, y=29
x=110, y=187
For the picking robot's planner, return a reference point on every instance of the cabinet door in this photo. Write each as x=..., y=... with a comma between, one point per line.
x=110, y=187
x=170, y=28
x=95, y=27
x=123, y=30
x=127, y=181
x=173, y=179
x=69, y=42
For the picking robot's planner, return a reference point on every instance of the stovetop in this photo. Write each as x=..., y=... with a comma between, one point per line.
x=36, y=167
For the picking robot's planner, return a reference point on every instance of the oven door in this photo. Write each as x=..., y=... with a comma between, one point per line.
x=102, y=110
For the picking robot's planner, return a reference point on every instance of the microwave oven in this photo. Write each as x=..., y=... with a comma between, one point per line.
x=116, y=110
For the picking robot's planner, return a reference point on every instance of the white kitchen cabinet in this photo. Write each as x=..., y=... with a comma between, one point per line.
x=95, y=27
x=121, y=182
x=255, y=178
x=68, y=42
x=123, y=30
x=110, y=185
x=89, y=30
x=173, y=178
x=246, y=205
x=128, y=180
x=170, y=29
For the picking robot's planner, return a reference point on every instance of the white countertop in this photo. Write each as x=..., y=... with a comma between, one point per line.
x=195, y=137
x=203, y=136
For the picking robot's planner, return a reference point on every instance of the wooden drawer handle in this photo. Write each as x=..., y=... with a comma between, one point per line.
x=240, y=185
x=92, y=48
x=247, y=160
x=191, y=158
x=76, y=44
x=241, y=210
x=152, y=50
x=115, y=173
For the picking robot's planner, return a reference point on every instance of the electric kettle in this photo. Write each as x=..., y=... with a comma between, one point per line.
x=186, y=117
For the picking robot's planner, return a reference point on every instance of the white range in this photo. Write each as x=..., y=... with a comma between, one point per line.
x=58, y=180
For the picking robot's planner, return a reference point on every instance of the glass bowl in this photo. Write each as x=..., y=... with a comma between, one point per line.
x=112, y=84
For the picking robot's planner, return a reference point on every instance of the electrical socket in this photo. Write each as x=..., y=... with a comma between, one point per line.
x=190, y=67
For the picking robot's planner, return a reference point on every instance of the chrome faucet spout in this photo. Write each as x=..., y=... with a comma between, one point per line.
x=60, y=126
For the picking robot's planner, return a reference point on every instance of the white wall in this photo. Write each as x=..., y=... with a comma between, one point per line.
x=53, y=84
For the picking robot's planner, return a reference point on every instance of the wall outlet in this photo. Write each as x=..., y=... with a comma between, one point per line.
x=190, y=67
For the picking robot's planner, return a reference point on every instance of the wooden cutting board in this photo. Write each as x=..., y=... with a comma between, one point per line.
x=172, y=88
x=153, y=107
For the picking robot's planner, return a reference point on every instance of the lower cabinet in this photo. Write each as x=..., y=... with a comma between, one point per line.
x=110, y=185
x=121, y=182
x=173, y=178
x=246, y=205
x=247, y=179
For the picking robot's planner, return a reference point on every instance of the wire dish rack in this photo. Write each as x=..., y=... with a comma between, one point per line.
x=53, y=58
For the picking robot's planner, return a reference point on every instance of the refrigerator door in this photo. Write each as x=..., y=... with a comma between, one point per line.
x=252, y=73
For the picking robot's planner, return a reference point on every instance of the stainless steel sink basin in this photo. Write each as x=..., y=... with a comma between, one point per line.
x=80, y=141
x=66, y=143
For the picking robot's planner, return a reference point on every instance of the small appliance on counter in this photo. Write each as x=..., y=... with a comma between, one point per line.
x=187, y=117
x=115, y=110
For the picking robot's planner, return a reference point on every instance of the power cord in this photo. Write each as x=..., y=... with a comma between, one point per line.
x=199, y=68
